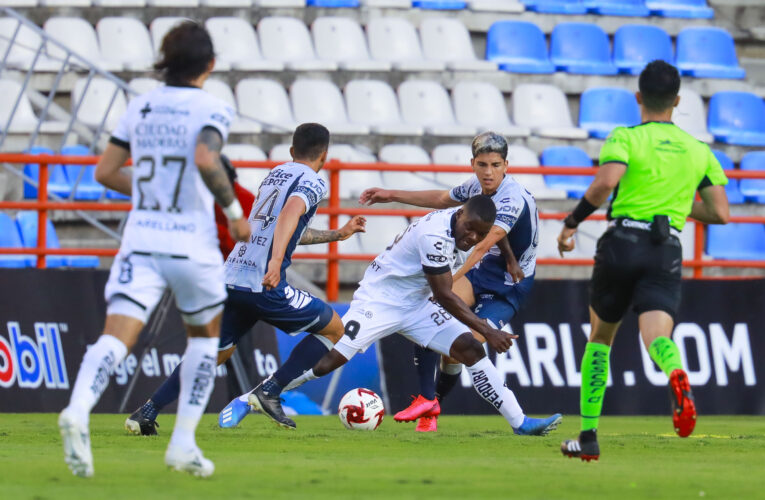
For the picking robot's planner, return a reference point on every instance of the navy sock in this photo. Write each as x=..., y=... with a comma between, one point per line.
x=426, y=361
x=446, y=382
x=168, y=391
x=302, y=358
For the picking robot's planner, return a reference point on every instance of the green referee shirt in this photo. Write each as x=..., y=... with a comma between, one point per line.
x=665, y=168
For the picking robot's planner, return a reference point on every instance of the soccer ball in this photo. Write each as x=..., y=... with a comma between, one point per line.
x=361, y=409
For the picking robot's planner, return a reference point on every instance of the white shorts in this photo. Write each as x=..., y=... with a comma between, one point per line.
x=426, y=324
x=137, y=282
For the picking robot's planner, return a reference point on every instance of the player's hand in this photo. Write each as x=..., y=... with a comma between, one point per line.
x=566, y=240
x=498, y=340
x=273, y=275
x=514, y=273
x=375, y=195
x=355, y=225
x=239, y=229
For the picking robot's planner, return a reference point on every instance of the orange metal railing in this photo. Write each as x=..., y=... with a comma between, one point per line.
x=333, y=209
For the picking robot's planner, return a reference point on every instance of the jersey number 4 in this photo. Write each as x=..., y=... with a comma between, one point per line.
x=167, y=161
x=266, y=208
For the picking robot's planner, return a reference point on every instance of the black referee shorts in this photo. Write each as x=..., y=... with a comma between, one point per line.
x=630, y=269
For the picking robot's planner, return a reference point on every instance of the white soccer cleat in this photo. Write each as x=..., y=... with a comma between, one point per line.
x=76, y=437
x=191, y=461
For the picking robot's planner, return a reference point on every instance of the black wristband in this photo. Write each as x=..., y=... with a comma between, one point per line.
x=583, y=210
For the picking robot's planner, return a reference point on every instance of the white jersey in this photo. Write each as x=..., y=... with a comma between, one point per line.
x=516, y=213
x=397, y=276
x=248, y=262
x=172, y=207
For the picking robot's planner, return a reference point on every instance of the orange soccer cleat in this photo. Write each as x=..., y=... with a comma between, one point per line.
x=420, y=407
x=683, y=406
x=427, y=424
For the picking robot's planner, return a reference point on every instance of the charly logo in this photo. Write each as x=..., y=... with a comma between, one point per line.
x=242, y=250
x=32, y=361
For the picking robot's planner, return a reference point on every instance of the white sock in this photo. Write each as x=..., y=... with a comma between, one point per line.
x=97, y=364
x=490, y=385
x=305, y=377
x=197, y=382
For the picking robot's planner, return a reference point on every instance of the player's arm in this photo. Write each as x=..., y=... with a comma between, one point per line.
x=313, y=236
x=109, y=169
x=713, y=207
x=210, y=166
x=286, y=224
x=496, y=236
x=440, y=281
x=432, y=198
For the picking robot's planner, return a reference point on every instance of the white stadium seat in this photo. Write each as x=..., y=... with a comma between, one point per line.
x=64, y=3
x=407, y=154
x=78, y=36
x=352, y=244
x=353, y=182
x=24, y=119
x=143, y=85
x=447, y=40
x=395, y=40
x=236, y=46
x=544, y=109
x=387, y=4
x=222, y=91
x=249, y=178
x=226, y=3
x=265, y=101
x=24, y=48
x=159, y=27
x=279, y=3
x=585, y=239
x=321, y=101
x=119, y=3
x=125, y=41
x=18, y=3
x=341, y=40
x=452, y=154
x=481, y=105
x=373, y=103
x=496, y=6
x=286, y=39
x=689, y=115
x=95, y=102
x=521, y=156
x=280, y=152
x=173, y=3
x=380, y=232
x=427, y=104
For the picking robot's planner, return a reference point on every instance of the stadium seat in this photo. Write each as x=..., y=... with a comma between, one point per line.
x=142, y=86
x=544, y=109
x=373, y=103
x=567, y=156
x=732, y=189
x=635, y=8
x=439, y=4
x=173, y=3
x=690, y=116
x=24, y=48
x=265, y=101
x=447, y=40
x=737, y=118
x=521, y=156
x=159, y=27
x=249, y=178
x=427, y=104
x=635, y=45
x=226, y=3
x=64, y=3
x=380, y=233
x=680, y=8
x=707, y=52
x=481, y=105
x=27, y=223
x=395, y=40
x=753, y=189
x=602, y=109
x=119, y=3
x=10, y=238
x=512, y=6
x=407, y=154
x=281, y=153
x=222, y=91
x=736, y=241
x=236, y=46
x=519, y=47
x=125, y=41
x=83, y=176
x=341, y=40
x=354, y=182
x=79, y=36
x=24, y=119
x=321, y=101
x=333, y=3
x=286, y=39
x=452, y=154
x=581, y=48
x=279, y=3
x=556, y=6
x=57, y=180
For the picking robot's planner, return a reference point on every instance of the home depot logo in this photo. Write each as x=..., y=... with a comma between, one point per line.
x=29, y=361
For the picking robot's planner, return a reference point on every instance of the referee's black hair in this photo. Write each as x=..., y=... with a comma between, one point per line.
x=659, y=84
x=309, y=141
x=186, y=51
x=483, y=207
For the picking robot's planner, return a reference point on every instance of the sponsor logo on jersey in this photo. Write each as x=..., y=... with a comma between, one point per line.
x=29, y=361
x=217, y=117
x=297, y=298
x=440, y=259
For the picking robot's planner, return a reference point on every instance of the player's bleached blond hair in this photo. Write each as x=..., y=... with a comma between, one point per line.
x=489, y=142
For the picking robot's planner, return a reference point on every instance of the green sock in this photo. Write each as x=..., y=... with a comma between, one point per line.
x=665, y=353
x=594, y=380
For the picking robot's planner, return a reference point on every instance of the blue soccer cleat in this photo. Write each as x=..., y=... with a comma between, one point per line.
x=538, y=426
x=234, y=412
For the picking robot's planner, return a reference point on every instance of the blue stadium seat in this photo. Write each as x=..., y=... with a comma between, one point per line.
x=439, y=5
x=27, y=222
x=737, y=118
x=10, y=238
x=332, y=3
x=603, y=108
x=556, y=6
x=88, y=188
x=732, y=188
x=567, y=156
x=581, y=48
x=681, y=8
x=707, y=53
x=753, y=189
x=635, y=45
x=114, y=195
x=518, y=46
x=57, y=181
x=736, y=241
x=635, y=8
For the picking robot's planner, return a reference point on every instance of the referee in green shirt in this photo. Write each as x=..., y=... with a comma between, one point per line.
x=654, y=171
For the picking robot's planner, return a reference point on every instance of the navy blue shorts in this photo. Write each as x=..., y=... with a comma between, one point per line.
x=496, y=301
x=288, y=309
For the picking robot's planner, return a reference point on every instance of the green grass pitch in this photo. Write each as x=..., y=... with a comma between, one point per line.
x=470, y=457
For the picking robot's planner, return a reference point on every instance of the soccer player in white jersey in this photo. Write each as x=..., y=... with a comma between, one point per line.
x=408, y=289
x=174, y=135
x=506, y=260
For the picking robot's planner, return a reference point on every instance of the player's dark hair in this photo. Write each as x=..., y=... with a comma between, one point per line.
x=489, y=142
x=186, y=51
x=309, y=141
x=659, y=84
x=481, y=206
